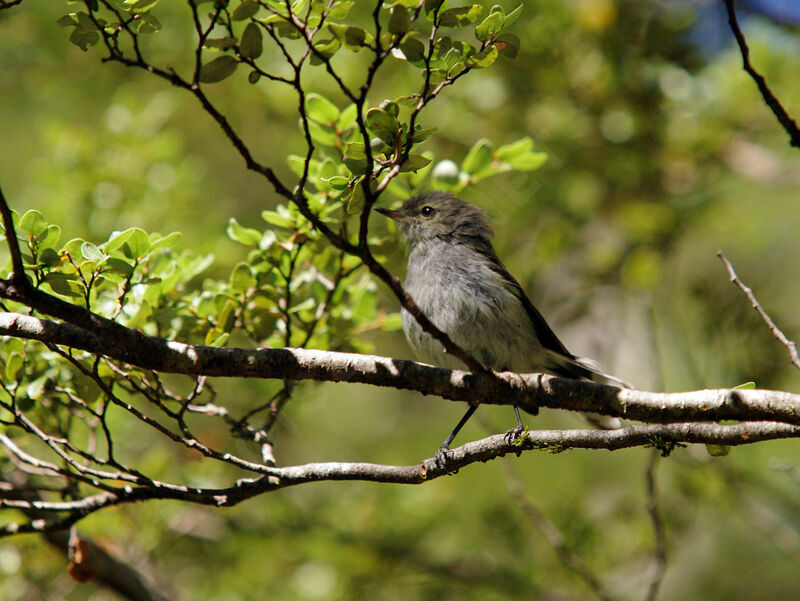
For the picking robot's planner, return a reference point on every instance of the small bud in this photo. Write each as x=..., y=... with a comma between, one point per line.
x=446, y=172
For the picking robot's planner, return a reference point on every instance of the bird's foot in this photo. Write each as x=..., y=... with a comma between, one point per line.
x=441, y=459
x=514, y=437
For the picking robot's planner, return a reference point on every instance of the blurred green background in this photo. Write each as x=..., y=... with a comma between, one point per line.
x=661, y=153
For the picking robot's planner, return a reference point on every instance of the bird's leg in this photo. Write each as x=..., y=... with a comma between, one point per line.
x=441, y=454
x=514, y=432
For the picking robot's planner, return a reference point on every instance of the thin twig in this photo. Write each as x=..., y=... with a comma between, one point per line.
x=276, y=478
x=789, y=344
x=769, y=98
x=11, y=239
x=568, y=558
x=660, y=548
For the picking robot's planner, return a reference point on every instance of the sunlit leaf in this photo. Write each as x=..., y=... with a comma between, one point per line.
x=242, y=235
x=461, y=16
x=479, y=158
x=32, y=223
x=320, y=109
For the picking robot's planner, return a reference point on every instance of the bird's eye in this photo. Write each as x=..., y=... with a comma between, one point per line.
x=427, y=211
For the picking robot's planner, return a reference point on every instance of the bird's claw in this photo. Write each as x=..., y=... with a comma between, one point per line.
x=441, y=459
x=513, y=437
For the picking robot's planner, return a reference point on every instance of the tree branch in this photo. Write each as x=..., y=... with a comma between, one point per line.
x=659, y=532
x=528, y=391
x=113, y=573
x=478, y=451
x=789, y=344
x=769, y=98
x=13, y=242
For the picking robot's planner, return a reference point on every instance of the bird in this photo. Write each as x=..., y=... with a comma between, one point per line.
x=458, y=282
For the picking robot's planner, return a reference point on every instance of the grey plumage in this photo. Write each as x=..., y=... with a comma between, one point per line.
x=457, y=280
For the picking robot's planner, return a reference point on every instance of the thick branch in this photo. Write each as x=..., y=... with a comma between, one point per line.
x=528, y=391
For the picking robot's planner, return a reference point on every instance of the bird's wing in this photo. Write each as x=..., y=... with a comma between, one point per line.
x=564, y=363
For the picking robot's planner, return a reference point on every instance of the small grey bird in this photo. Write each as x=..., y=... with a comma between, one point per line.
x=458, y=282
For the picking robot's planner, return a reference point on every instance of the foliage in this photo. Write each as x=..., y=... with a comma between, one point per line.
x=643, y=174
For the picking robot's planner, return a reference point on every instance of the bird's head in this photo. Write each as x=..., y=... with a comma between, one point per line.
x=432, y=215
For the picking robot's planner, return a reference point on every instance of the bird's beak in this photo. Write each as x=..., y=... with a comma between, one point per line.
x=389, y=213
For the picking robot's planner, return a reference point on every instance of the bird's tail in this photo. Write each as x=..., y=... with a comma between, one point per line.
x=588, y=369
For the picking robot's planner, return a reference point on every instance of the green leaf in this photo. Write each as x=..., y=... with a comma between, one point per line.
x=420, y=134
x=320, y=109
x=222, y=43
x=324, y=49
x=519, y=155
x=218, y=69
x=304, y=305
x=392, y=322
x=252, y=45
x=32, y=223
x=119, y=266
x=382, y=124
x=143, y=6
x=413, y=49
x=431, y=6
x=745, y=386
x=242, y=278
x=354, y=197
x=226, y=318
x=276, y=219
x=322, y=134
x=337, y=182
x=50, y=238
x=350, y=36
x=484, y=58
x=529, y=162
x=414, y=162
x=171, y=240
x=437, y=76
x=508, y=45
x=242, y=235
x=147, y=23
x=49, y=257
x=91, y=252
x=355, y=158
x=298, y=164
x=245, y=10
x=138, y=244
x=399, y=20
x=512, y=17
x=66, y=285
x=718, y=450
x=216, y=337
x=14, y=364
x=347, y=118
x=489, y=26
x=479, y=158
x=461, y=16
x=341, y=9
x=83, y=39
